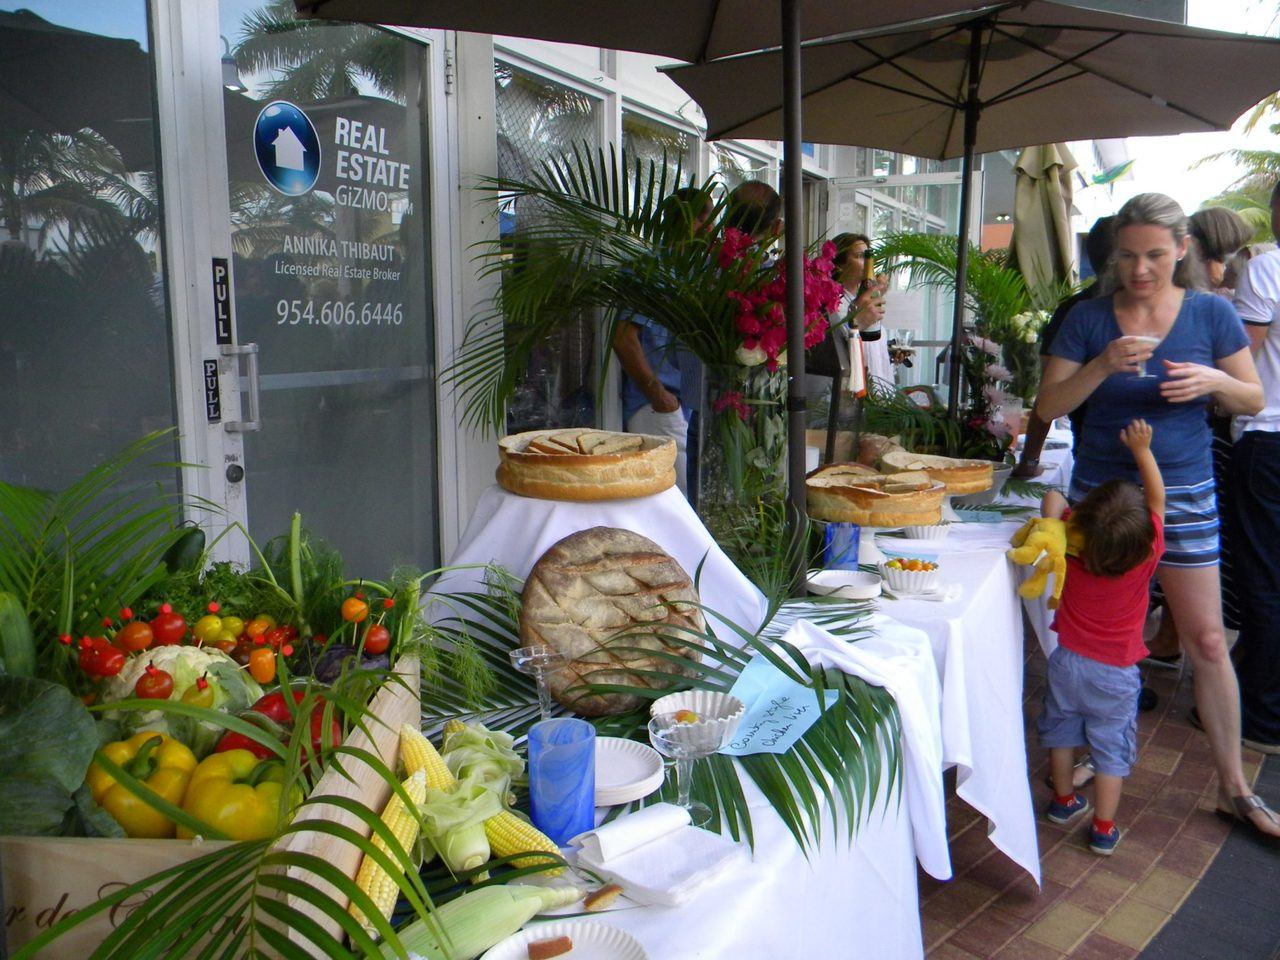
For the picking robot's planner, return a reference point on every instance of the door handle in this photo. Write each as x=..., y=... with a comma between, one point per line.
x=250, y=353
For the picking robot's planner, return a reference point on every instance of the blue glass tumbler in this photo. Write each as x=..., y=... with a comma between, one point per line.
x=562, y=777
x=840, y=546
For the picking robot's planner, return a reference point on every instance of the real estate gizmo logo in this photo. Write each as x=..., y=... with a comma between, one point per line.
x=287, y=148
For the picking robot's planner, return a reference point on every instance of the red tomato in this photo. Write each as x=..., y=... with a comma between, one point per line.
x=168, y=627
x=110, y=660
x=276, y=636
x=135, y=636
x=154, y=684
x=377, y=639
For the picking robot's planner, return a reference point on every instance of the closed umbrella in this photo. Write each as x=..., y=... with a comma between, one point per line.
x=691, y=30
x=1042, y=237
x=1005, y=75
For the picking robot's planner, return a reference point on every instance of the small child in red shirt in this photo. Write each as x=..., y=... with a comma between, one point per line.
x=1093, y=683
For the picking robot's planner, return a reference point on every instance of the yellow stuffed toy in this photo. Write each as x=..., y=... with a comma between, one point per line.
x=1042, y=542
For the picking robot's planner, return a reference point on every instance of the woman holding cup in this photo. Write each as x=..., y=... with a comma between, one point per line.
x=1195, y=351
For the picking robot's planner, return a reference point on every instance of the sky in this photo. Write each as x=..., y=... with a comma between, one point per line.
x=1164, y=163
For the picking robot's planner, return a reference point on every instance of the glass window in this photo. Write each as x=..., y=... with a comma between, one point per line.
x=538, y=119
x=734, y=168
x=330, y=230
x=648, y=139
x=85, y=349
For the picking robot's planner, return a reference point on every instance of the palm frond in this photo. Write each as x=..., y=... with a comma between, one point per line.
x=830, y=778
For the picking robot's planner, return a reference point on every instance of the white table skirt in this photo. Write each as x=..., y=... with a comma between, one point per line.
x=844, y=901
x=977, y=645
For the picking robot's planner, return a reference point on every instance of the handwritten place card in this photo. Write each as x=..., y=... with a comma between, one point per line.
x=779, y=710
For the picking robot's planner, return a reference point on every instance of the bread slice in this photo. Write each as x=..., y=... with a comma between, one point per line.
x=959, y=476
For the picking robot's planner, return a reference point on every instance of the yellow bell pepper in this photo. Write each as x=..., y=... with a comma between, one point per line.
x=238, y=794
x=165, y=765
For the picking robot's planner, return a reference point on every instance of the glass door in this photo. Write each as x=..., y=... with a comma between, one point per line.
x=325, y=134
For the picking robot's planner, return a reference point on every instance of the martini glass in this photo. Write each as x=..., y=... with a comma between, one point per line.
x=1154, y=341
x=539, y=662
x=686, y=743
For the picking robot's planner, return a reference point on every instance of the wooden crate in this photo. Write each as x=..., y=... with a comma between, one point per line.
x=46, y=879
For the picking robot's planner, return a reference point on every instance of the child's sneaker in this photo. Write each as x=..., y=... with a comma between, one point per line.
x=1104, y=844
x=1066, y=812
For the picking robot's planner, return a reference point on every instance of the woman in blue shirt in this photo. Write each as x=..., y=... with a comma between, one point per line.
x=1196, y=351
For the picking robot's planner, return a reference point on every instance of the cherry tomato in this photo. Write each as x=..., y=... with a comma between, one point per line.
x=377, y=639
x=240, y=654
x=233, y=625
x=226, y=646
x=256, y=627
x=262, y=664
x=207, y=628
x=168, y=627
x=154, y=684
x=354, y=610
x=110, y=660
x=269, y=620
x=135, y=636
x=199, y=694
x=276, y=636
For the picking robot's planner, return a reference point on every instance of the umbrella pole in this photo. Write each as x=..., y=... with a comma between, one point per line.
x=971, y=110
x=793, y=199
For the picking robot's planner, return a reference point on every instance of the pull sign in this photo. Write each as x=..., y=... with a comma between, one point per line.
x=221, y=300
x=212, y=392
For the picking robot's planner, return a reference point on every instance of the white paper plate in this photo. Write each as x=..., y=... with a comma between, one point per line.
x=847, y=584
x=626, y=770
x=592, y=940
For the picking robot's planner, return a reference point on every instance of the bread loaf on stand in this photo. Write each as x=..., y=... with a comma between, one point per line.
x=610, y=599
x=585, y=464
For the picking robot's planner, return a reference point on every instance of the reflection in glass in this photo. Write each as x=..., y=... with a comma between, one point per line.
x=331, y=275
x=538, y=119
x=85, y=358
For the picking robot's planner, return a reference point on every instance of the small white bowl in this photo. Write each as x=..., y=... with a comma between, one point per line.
x=718, y=715
x=932, y=531
x=845, y=584
x=910, y=581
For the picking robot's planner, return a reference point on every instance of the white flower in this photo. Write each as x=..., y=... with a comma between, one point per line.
x=1031, y=336
x=750, y=358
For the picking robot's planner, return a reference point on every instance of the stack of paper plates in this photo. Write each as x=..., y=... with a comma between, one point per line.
x=626, y=770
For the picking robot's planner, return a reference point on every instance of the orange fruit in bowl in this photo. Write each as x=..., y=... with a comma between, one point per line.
x=686, y=716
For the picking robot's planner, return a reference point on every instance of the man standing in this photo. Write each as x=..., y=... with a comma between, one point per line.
x=1255, y=482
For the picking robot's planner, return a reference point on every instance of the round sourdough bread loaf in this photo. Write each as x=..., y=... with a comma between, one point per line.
x=851, y=493
x=959, y=476
x=617, y=606
x=585, y=464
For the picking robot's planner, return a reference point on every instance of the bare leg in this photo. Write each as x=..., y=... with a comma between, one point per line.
x=1196, y=604
x=1061, y=768
x=1106, y=796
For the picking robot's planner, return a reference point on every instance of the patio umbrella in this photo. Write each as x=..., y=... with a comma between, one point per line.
x=1005, y=75
x=1042, y=237
x=695, y=31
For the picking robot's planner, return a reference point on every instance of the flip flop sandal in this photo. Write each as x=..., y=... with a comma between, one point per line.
x=1245, y=806
x=1085, y=762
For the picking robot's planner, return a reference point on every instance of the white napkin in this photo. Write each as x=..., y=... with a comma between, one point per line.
x=946, y=593
x=908, y=672
x=655, y=855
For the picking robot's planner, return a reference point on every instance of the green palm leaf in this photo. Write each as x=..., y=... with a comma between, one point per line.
x=833, y=775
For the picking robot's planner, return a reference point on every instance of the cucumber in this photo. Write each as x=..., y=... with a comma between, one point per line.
x=184, y=554
x=17, y=646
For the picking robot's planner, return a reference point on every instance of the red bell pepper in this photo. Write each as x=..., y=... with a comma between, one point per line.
x=274, y=707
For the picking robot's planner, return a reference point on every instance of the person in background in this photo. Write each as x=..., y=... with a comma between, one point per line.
x=652, y=382
x=1092, y=693
x=1255, y=479
x=1195, y=345
x=862, y=312
x=1218, y=234
x=1097, y=247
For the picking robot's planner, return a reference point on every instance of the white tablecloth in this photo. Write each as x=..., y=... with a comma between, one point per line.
x=843, y=901
x=514, y=531
x=977, y=645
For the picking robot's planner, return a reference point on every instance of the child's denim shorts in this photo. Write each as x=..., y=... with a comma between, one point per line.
x=1094, y=704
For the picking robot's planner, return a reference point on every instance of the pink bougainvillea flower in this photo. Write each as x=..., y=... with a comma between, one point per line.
x=732, y=400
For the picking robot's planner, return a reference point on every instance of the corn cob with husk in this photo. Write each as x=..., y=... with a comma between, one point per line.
x=470, y=925
x=508, y=834
x=404, y=823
